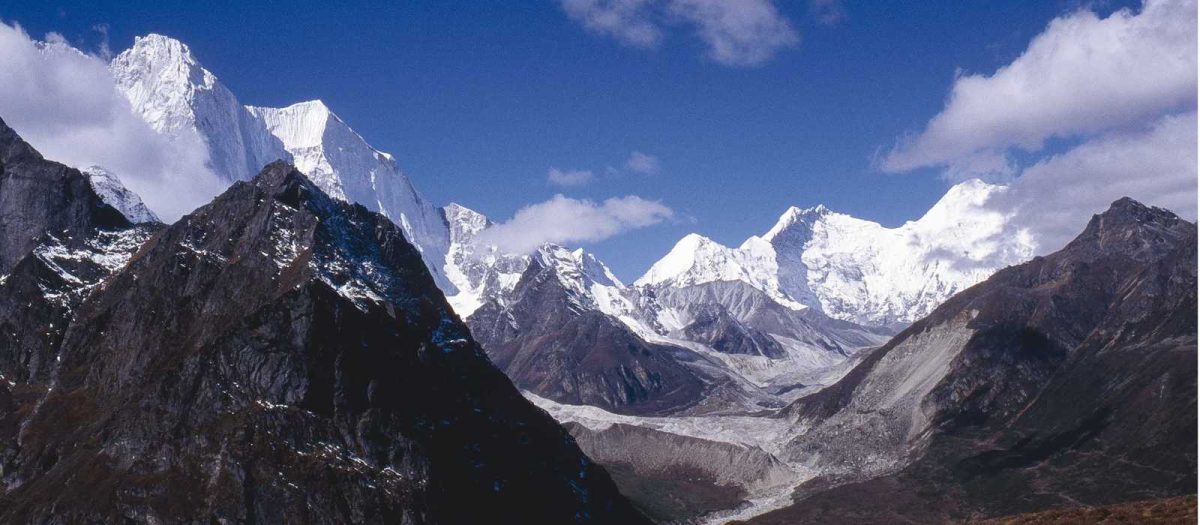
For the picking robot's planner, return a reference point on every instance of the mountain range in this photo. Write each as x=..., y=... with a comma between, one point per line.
x=321, y=342
x=770, y=316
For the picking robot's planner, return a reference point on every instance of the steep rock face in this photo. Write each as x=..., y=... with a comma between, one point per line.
x=278, y=353
x=549, y=341
x=169, y=88
x=1066, y=380
x=713, y=325
x=39, y=197
x=59, y=239
x=856, y=270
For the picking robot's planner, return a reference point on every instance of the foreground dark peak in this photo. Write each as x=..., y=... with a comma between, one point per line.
x=40, y=197
x=58, y=241
x=280, y=355
x=1069, y=380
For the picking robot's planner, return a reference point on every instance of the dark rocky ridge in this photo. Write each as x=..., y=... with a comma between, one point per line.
x=578, y=356
x=274, y=355
x=58, y=240
x=39, y=197
x=1075, y=384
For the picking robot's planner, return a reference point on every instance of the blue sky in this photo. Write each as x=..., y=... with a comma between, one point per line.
x=478, y=100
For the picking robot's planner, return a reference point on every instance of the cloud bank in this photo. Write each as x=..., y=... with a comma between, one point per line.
x=65, y=103
x=1080, y=76
x=1054, y=198
x=1119, y=91
x=565, y=220
x=738, y=33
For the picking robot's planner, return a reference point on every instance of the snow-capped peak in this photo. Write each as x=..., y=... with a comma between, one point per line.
x=110, y=190
x=160, y=77
x=477, y=273
x=169, y=88
x=678, y=265
x=176, y=96
x=795, y=215
x=464, y=222
x=859, y=270
x=576, y=268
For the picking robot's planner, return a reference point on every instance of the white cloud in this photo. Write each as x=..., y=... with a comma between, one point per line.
x=735, y=32
x=738, y=32
x=628, y=21
x=559, y=177
x=565, y=220
x=65, y=104
x=1120, y=94
x=642, y=163
x=1054, y=198
x=1083, y=75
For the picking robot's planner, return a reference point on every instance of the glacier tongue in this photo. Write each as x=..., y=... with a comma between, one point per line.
x=857, y=270
x=169, y=89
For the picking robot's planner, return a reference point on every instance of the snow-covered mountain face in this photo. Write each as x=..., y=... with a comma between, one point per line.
x=113, y=193
x=478, y=273
x=731, y=333
x=175, y=94
x=857, y=270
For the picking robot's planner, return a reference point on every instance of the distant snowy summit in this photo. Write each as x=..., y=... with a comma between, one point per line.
x=172, y=92
x=110, y=190
x=857, y=270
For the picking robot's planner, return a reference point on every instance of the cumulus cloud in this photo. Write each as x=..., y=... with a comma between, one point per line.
x=566, y=220
x=1082, y=76
x=1054, y=198
x=1118, y=96
x=65, y=103
x=559, y=177
x=735, y=32
x=642, y=163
